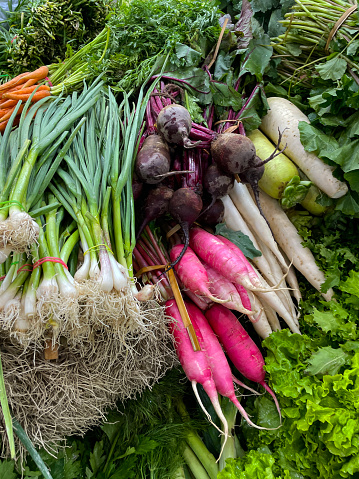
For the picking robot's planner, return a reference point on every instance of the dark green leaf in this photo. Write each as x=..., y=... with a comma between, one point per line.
x=238, y=238
x=333, y=69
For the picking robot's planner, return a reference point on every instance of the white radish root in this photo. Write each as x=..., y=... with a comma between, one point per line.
x=290, y=241
x=285, y=116
x=245, y=204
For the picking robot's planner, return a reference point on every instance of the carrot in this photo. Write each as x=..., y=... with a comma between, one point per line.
x=30, y=82
x=25, y=96
x=3, y=124
x=25, y=91
x=7, y=104
x=15, y=81
x=239, y=346
x=8, y=113
x=39, y=74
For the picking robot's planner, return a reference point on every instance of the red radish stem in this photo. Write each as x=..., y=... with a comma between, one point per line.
x=192, y=273
x=195, y=363
x=241, y=349
x=221, y=372
x=224, y=289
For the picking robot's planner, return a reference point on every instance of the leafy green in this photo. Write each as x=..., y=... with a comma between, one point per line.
x=238, y=238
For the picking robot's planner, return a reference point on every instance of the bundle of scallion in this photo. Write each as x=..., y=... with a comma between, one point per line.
x=318, y=31
x=75, y=187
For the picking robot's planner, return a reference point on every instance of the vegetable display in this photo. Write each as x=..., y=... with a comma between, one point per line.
x=178, y=254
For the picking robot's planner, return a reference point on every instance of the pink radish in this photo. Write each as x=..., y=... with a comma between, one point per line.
x=220, y=257
x=222, y=288
x=192, y=273
x=201, y=302
x=222, y=374
x=241, y=349
x=195, y=363
x=238, y=252
x=270, y=297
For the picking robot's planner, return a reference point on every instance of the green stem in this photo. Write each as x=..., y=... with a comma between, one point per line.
x=194, y=464
x=6, y=413
x=69, y=245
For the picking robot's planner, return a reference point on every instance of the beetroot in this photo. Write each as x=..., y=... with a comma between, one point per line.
x=213, y=214
x=137, y=187
x=233, y=153
x=157, y=204
x=216, y=182
x=185, y=206
x=153, y=159
x=174, y=124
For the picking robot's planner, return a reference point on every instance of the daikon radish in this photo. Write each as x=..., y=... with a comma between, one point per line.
x=290, y=241
x=235, y=222
x=283, y=294
x=250, y=212
x=285, y=116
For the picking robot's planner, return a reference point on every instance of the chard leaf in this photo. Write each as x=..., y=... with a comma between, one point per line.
x=243, y=26
x=238, y=238
x=260, y=53
x=225, y=95
x=326, y=361
x=332, y=69
x=191, y=57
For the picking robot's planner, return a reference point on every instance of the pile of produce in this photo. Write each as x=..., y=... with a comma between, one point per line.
x=178, y=222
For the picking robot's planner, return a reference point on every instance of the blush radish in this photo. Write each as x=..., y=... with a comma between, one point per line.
x=185, y=207
x=221, y=372
x=224, y=289
x=270, y=296
x=241, y=349
x=192, y=273
x=220, y=257
x=174, y=124
x=195, y=363
x=153, y=160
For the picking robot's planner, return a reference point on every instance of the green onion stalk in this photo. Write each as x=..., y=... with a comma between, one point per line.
x=309, y=27
x=36, y=148
x=82, y=189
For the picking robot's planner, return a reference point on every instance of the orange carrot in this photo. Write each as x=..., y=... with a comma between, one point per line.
x=4, y=123
x=8, y=113
x=15, y=81
x=25, y=96
x=40, y=73
x=8, y=104
x=25, y=91
x=30, y=82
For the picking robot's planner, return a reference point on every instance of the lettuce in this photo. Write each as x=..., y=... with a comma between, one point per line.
x=318, y=389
